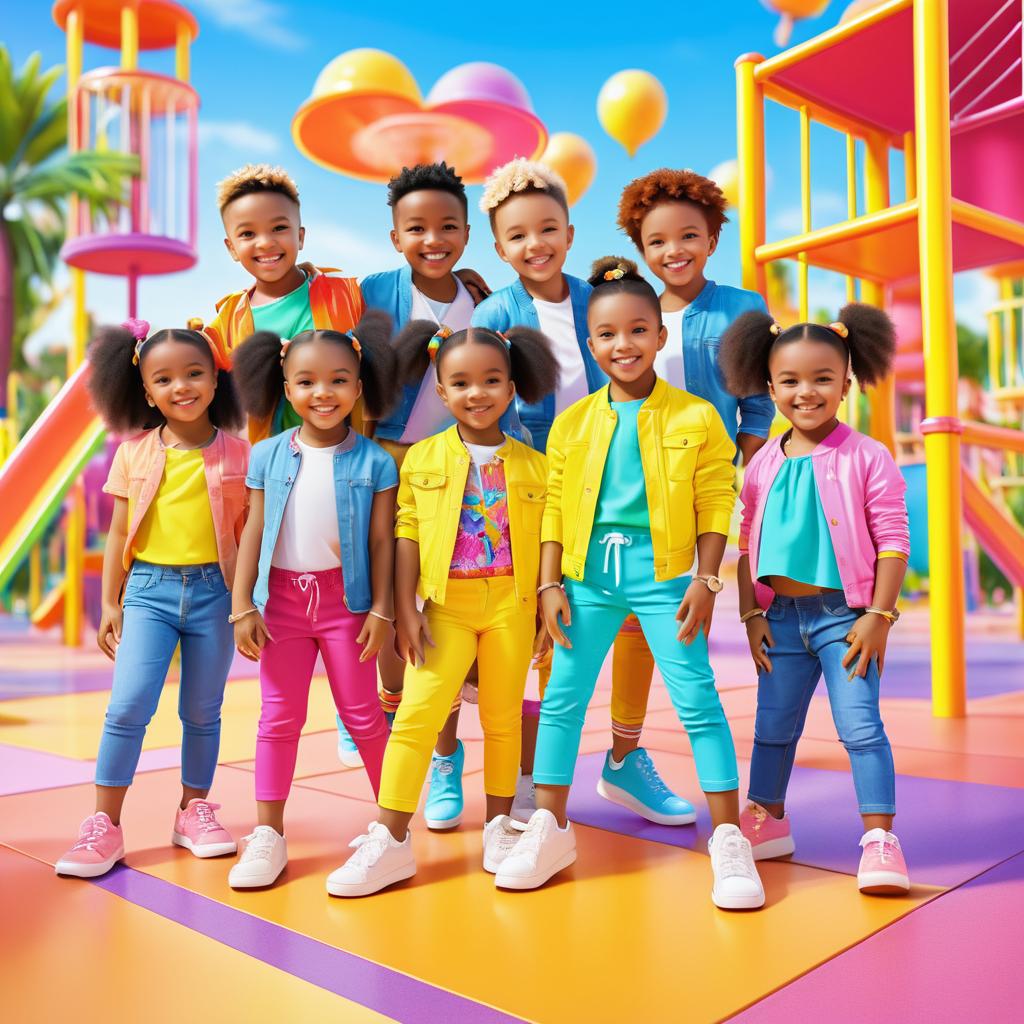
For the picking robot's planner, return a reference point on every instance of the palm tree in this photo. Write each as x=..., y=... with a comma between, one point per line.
x=37, y=176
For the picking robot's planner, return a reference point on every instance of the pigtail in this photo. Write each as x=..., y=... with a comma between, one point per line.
x=257, y=373
x=534, y=370
x=378, y=365
x=115, y=384
x=871, y=339
x=411, y=350
x=743, y=356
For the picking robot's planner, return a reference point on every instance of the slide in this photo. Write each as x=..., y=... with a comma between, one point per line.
x=997, y=532
x=41, y=470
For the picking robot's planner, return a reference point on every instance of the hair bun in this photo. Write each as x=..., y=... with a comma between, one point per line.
x=612, y=268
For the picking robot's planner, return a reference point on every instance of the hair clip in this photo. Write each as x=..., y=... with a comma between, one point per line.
x=139, y=330
x=840, y=328
x=356, y=347
x=615, y=274
x=442, y=334
x=776, y=328
x=504, y=337
x=285, y=343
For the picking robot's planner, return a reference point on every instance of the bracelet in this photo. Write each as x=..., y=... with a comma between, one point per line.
x=550, y=586
x=747, y=616
x=890, y=617
x=389, y=701
x=232, y=619
x=377, y=615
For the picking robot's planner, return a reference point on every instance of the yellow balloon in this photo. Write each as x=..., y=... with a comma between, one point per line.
x=572, y=158
x=367, y=71
x=631, y=107
x=726, y=176
x=791, y=11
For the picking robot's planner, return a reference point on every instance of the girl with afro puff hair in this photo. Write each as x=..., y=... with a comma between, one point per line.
x=179, y=505
x=824, y=542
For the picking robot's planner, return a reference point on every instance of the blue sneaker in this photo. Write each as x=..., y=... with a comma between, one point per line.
x=443, y=809
x=637, y=785
x=348, y=752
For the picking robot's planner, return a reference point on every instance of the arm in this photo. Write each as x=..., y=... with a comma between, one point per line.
x=251, y=631
x=698, y=604
x=756, y=415
x=109, y=634
x=376, y=625
x=749, y=445
x=474, y=284
x=411, y=630
x=870, y=633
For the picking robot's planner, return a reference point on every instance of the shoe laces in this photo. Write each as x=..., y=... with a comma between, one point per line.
x=734, y=857
x=369, y=848
x=207, y=819
x=442, y=766
x=93, y=830
x=533, y=837
x=258, y=846
x=885, y=847
x=650, y=773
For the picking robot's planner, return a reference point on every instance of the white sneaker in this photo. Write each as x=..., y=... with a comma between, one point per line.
x=380, y=860
x=263, y=859
x=501, y=834
x=543, y=850
x=737, y=883
x=525, y=801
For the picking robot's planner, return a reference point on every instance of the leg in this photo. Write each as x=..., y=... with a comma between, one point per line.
x=632, y=673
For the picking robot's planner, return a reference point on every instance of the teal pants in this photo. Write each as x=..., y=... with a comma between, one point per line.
x=618, y=580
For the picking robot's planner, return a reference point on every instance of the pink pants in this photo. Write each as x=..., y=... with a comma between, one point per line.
x=305, y=614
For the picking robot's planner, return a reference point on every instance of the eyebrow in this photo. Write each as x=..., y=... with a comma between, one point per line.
x=546, y=220
x=824, y=369
x=463, y=373
x=632, y=323
x=273, y=220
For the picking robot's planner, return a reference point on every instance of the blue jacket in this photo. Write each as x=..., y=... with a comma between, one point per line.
x=359, y=473
x=513, y=306
x=704, y=323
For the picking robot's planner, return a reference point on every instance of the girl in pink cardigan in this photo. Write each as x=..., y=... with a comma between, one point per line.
x=823, y=550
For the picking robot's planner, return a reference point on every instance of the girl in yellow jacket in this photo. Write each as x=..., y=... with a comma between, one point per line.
x=470, y=505
x=640, y=480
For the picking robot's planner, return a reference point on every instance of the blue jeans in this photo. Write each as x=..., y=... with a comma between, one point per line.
x=618, y=579
x=810, y=641
x=163, y=606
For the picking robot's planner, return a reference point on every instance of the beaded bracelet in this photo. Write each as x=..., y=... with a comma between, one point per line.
x=232, y=619
x=747, y=616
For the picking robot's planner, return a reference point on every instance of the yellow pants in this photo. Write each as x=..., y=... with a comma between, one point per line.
x=480, y=619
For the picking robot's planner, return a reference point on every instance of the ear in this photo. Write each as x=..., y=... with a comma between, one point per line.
x=467, y=233
x=847, y=386
x=287, y=390
x=569, y=236
x=359, y=389
x=662, y=337
x=501, y=252
x=590, y=345
x=712, y=245
x=302, y=236
x=394, y=240
x=441, y=392
x=231, y=249
x=771, y=390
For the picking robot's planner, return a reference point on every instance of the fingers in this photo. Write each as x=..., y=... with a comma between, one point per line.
x=115, y=628
x=768, y=640
x=425, y=630
x=853, y=640
x=364, y=632
x=566, y=612
x=688, y=629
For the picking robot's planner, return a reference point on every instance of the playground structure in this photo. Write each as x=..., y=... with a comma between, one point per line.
x=952, y=100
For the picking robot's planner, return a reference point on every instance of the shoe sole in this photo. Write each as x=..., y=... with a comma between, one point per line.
x=883, y=883
x=537, y=880
x=206, y=850
x=350, y=758
x=773, y=848
x=369, y=888
x=256, y=883
x=86, y=870
x=737, y=902
x=627, y=800
x=444, y=824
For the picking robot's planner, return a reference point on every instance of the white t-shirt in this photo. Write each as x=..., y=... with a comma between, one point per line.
x=481, y=454
x=556, y=321
x=669, y=363
x=429, y=414
x=309, y=540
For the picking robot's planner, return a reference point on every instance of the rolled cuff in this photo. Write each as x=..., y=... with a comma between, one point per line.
x=406, y=531
x=551, y=528
x=714, y=521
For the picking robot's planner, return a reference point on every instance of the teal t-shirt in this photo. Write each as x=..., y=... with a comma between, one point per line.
x=622, y=501
x=795, y=539
x=287, y=316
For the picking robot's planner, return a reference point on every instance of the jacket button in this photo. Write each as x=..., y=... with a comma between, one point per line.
x=835, y=522
x=686, y=441
x=586, y=489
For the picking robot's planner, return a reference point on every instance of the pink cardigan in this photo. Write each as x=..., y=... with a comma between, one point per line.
x=862, y=494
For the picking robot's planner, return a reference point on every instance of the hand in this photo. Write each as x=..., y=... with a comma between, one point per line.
x=412, y=635
x=108, y=636
x=554, y=603
x=867, y=639
x=251, y=636
x=759, y=636
x=474, y=284
x=541, y=644
x=372, y=636
x=695, y=612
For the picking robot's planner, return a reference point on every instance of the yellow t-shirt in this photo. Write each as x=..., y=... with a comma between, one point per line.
x=178, y=526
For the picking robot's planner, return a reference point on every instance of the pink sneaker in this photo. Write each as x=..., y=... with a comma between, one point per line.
x=882, y=871
x=100, y=846
x=197, y=829
x=769, y=837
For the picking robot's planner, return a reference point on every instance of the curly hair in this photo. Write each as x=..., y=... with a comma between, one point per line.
x=259, y=371
x=255, y=178
x=521, y=177
x=749, y=342
x=610, y=275
x=641, y=195
x=439, y=177
x=528, y=355
x=116, y=387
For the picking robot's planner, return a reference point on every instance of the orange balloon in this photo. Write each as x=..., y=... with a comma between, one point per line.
x=726, y=176
x=572, y=158
x=791, y=11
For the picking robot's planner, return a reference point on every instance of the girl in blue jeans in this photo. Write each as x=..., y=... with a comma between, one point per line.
x=179, y=505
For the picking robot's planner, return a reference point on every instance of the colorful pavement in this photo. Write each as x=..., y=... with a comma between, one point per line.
x=628, y=934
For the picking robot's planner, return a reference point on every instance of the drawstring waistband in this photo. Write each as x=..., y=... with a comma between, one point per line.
x=308, y=581
x=616, y=541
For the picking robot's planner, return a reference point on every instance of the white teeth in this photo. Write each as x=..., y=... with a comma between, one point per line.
x=435, y=257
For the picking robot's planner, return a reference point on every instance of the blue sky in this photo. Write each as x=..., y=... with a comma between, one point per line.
x=255, y=62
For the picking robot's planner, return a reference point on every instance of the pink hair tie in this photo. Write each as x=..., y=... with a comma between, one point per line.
x=139, y=330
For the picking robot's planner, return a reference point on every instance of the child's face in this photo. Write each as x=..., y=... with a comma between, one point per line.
x=809, y=380
x=626, y=333
x=532, y=234
x=474, y=383
x=179, y=379
x=321, y=380
x=676, y=243
x=430, y=231
x=264, y=234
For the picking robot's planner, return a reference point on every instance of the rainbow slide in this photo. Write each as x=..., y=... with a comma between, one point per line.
x=41, y=470
x=996, y=531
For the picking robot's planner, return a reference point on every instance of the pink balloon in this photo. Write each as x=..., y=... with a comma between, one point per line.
x=480, y=81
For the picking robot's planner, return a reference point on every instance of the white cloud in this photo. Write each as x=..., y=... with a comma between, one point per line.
x=973, y=293
x=261, y=20
x=335, y=245
x=826, y=208
x=238, y=135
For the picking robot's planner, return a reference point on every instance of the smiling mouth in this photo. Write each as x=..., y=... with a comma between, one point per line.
x=625, y=360
x=678, y=264
x=435, y=257
x=479, y=410
x=809, y=408
x=183, y=403
x=324, y=410
x=269, y=261
x=538, y=261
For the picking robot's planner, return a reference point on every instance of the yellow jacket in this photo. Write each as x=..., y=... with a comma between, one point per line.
x=686, y=457
x=433, y=482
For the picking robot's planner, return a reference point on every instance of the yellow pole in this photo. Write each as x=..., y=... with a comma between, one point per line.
x=1010, y=340
x=750, y=157
x=35, y=577
x=910, y=165
x=995, y=349
x=129, y=37
x=182, y=68
x=805, y=211
x=941, y=430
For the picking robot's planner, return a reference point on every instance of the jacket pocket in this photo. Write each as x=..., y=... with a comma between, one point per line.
x=530, y=499
x=681, y=451
x=429, y=490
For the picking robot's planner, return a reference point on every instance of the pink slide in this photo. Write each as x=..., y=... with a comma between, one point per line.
x=997, y=533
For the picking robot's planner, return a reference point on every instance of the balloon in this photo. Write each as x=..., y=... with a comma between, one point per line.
x=480, y=82
x=857, y=8
x=367, y=71
x=791, y=11
x=572, y=158
x=726, y=176
x=631, y=107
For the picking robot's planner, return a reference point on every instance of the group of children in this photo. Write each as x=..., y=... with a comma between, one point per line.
x=446, y=485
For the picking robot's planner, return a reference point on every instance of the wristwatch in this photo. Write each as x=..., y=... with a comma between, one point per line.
x=713, y=583
x=890, y=615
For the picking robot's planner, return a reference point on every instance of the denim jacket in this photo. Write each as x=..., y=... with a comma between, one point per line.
x=513, y=306
x=359, y=474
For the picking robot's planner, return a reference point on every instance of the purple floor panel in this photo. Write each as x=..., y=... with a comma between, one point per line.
x=25, y=771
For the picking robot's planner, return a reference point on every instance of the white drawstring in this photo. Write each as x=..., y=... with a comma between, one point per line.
x=307, y=581
x=617, y=541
